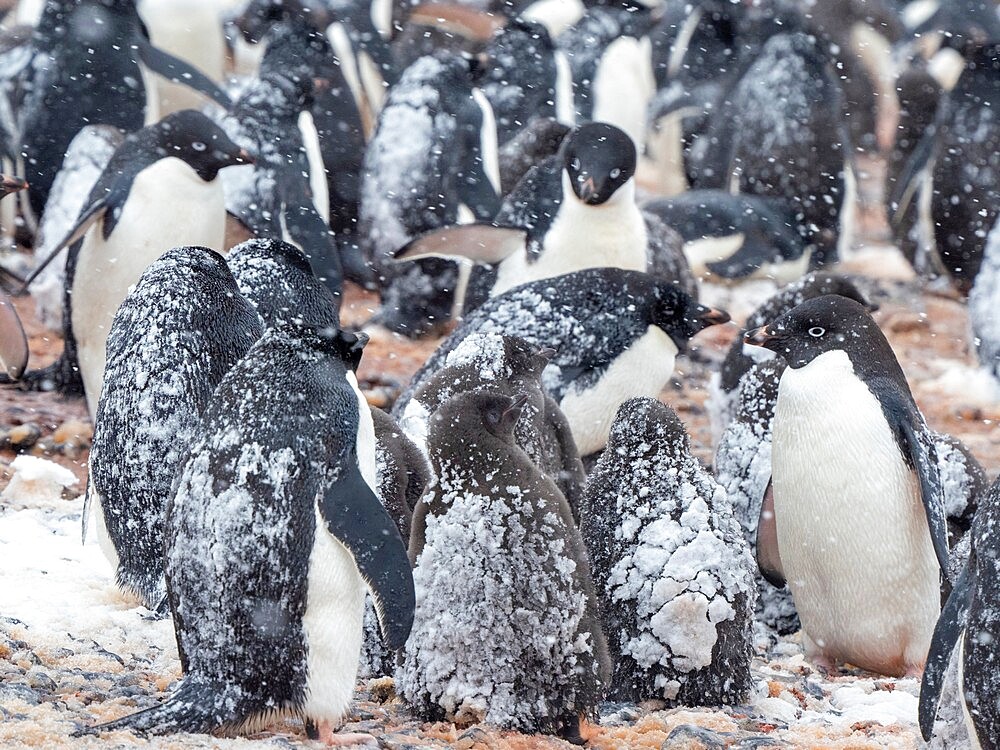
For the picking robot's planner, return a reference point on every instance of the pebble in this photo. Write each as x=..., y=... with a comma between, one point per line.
x=696, y=737
x=41, y=681
x=23, y=436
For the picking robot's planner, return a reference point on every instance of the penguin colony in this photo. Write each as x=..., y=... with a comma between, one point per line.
x=527, y=533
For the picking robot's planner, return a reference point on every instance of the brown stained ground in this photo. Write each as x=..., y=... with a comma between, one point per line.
x=927, y=330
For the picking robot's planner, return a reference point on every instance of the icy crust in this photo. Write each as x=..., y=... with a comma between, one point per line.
x=486, y=352
x=36, y=481
x=672, y=569
x=171, y=342
x=497, y=636
x=984, y=299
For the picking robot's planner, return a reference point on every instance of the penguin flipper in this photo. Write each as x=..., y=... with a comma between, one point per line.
x=177, y=71
x=949, y=628
x=96, y=210
x=748, y=259
x=481, y=242
x=908, y=182
x=359, y=521
x=13, y=342
x=768, y=555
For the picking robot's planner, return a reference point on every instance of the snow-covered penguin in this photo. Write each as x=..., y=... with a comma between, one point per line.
x=673, y=572
x=172, y=340
x=858, y=529
x=13, y=342
x=510, y=366
x=970, y=620
x=84, y=69
x=984, y=300
x=431, y=162
x=284, y=193
x=506, y=629
x=272, y=536
x=279, y=282
x=160, y=190
x=573, y=211
x=615, y=335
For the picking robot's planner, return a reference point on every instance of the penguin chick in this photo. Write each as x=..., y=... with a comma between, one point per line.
x=159, y=190
x=858, y=529
x=173, y=339
x=278, y=280
x=673, y=572
x=507, y=365
x=970, y=621
x=272, y=535
x=606, y=326
x=983, y=301
x=506, y=629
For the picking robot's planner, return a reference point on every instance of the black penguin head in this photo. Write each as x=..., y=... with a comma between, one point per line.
x=820, y=325
x=822, y=282
x=524, y=359
x=273, y=250
x=10, y=185
x=494, y=412
x=260, y=15
x=194, y=139
x=598, y=159
x=680, y=316
x=295, y=53
x=344, y=345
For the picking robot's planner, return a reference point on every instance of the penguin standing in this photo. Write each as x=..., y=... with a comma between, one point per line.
x=506, y=629
x=284, y=193
x=13, y=342
x=273, y=532
x=432, y=161
x=859, y=523
x=509, y=366
x=172, y=340
x=158, y=191
x=573, y=211
x=983, y=301
x=615, y=334
x=969, y=620
x=673, y=573
x=101, y=42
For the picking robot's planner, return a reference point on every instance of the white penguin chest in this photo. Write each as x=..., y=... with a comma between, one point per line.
x=852, y=532
x=168, y=206
x=641, y=370
x=611, y=235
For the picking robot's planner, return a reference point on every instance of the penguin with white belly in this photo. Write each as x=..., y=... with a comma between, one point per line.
x=273, y=535
x=970, y=620
x=573, y=211
x=172, y=340
x=615, y=334
x=859, y=529
x=160, y=190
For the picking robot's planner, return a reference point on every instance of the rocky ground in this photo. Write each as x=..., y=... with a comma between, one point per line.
x=73, y=651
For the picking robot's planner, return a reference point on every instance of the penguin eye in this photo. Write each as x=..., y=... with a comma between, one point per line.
x=198, y=146
x=615, y=173
x=816, y=332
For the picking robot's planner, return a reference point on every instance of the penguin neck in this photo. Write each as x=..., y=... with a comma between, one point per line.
x=611, y=234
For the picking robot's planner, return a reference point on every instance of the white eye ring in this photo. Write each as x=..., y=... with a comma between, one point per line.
x=615, y=173
x=575, y=164
x=816, y=332
x=198, y=146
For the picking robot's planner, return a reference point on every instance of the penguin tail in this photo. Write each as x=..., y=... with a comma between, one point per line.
x=195, y=708
x=62, y=376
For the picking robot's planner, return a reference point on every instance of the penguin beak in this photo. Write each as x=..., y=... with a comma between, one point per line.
x=321, y=84
x=713, y=316
x=759, y=337
x=587, y=190
x=244, y=157
x=547, y=352
x=513, y=412
x=10, y=185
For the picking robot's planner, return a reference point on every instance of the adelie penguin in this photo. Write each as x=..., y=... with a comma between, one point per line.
x=506, y=629
x=172, y=340
x=160, y=190
x=432, y=162
x=101, y=43
x=858, y=529
x=606, y=327
x=673, y=573
x=273, y=535
x=573, y=211
x=970, y=622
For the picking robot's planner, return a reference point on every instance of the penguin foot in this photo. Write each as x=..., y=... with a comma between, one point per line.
x=331, y=738
x=570, y=731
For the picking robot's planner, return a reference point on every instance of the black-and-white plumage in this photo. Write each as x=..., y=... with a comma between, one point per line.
x=984, y=302
x=673, y=572
x=283, y=194
x=857, y=492
x=506, y=629
x=431, y=162
x=606, y=326
x=509, y=366
x=158, y=191
x=273, y=533
x=172, y=340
